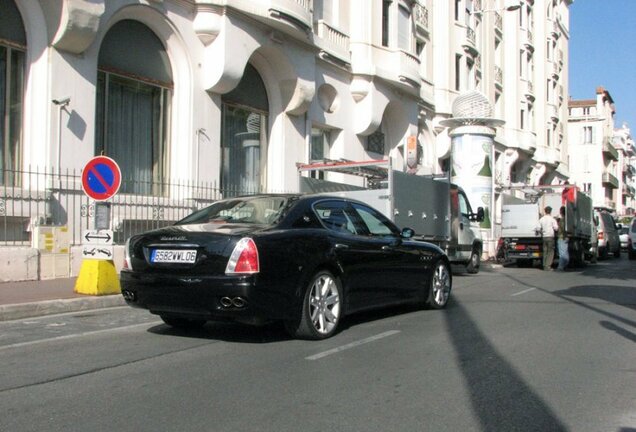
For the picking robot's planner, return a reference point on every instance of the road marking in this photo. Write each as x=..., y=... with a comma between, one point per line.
x=523, y=292
x=352, y=345
x=76, y=335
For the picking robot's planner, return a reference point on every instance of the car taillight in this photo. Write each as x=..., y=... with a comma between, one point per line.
x=601, y=236
x=244, y=258
x=127, y=264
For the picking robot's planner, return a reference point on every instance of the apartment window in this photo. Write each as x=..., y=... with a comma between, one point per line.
x=458, y=72
x=11, y=100
x=319, y=146
x=522, y=120
x=587, y=187
x=133, y=106
x=458, y=5
x=587, y=134
x=12, y=71
x=405, y=29
x=548, y=137
x=319, y=149
x=375, y=142
x=244, y=134
x=386, y=9
x=586, y=111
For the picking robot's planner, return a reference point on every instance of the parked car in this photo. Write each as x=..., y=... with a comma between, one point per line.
x=305, y=260
x=631, y=240
x=608, y=239
x=622, y=235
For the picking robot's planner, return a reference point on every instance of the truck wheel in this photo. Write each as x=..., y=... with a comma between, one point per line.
x=474, y=262
x=577, y=253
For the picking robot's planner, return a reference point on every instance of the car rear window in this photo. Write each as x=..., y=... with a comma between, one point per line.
x=248, y=210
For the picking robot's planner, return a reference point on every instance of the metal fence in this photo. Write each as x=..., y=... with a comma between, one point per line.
x=49, y=197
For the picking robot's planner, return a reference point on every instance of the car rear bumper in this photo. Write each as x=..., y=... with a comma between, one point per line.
x=233, y=298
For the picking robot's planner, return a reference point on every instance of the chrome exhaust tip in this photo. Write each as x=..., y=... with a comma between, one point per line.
x=226, y=302
x=239, y=302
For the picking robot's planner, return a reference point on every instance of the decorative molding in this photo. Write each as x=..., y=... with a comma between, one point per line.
x=78, y=25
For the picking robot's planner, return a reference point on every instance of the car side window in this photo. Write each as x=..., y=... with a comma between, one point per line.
x=464, y=207
x=376, y=223
x=334, y=217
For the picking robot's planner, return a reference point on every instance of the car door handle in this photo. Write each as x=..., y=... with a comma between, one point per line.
x=341, y=246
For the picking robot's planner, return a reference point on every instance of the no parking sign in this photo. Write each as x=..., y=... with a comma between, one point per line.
x=101, y=178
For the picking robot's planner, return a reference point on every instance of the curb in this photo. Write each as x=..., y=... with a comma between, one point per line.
x=50, y=307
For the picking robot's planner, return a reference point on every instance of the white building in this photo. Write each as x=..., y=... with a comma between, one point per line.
x=624, y=143
x=593, y=156
x=234, y=93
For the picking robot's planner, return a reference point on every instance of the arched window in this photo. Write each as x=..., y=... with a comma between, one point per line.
x=134, y=89
x=244, y=135
x=12, y=52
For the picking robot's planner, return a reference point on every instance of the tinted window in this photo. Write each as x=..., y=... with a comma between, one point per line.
x=335, y=217
x=251, y=210
x=375, y=222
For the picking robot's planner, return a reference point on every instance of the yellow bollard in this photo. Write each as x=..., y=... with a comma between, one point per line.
x=97, y=277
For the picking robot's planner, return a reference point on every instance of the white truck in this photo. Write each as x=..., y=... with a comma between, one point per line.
x=522, y=244
x=438, y=211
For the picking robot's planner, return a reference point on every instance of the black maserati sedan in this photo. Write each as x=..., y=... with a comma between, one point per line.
x=307, y=260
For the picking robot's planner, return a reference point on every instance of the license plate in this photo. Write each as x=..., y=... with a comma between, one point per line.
x=185, y=256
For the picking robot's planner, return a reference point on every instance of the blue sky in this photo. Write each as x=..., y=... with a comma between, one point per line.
x=603, y=53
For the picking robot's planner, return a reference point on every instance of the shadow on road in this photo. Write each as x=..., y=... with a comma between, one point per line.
x=500, y=397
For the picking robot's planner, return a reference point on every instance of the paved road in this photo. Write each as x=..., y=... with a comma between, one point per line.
x=517, y=349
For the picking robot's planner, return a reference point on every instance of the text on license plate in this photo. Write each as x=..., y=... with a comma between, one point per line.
x=173, y=256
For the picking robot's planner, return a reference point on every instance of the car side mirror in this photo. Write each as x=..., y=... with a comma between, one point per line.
x=479, y=216
x=407, y=233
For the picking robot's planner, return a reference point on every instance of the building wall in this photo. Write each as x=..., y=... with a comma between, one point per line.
x=359, y=69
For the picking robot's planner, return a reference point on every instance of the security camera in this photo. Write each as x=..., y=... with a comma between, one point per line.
x=64, y=101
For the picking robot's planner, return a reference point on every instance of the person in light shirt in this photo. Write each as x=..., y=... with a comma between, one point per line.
x=547, y=226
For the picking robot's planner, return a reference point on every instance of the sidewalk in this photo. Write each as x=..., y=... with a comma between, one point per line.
x=36, y=298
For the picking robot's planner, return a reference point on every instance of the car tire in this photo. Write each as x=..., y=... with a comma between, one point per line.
x=321, y=309
x=439, y=286
x=182, y=323
x=603, y=252
x=632, y=255
x=617, y=253
x=474, y=262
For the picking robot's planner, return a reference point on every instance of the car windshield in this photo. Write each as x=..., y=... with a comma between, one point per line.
x=249, y=210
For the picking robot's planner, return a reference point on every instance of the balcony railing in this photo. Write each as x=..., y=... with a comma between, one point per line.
x=333, y=41
x=609, y=180
x=498, y=23
x=498, y=76
x=530, y=40
x=470, y=35
x=295, y=12
x=421, y=18
x=609, y=150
